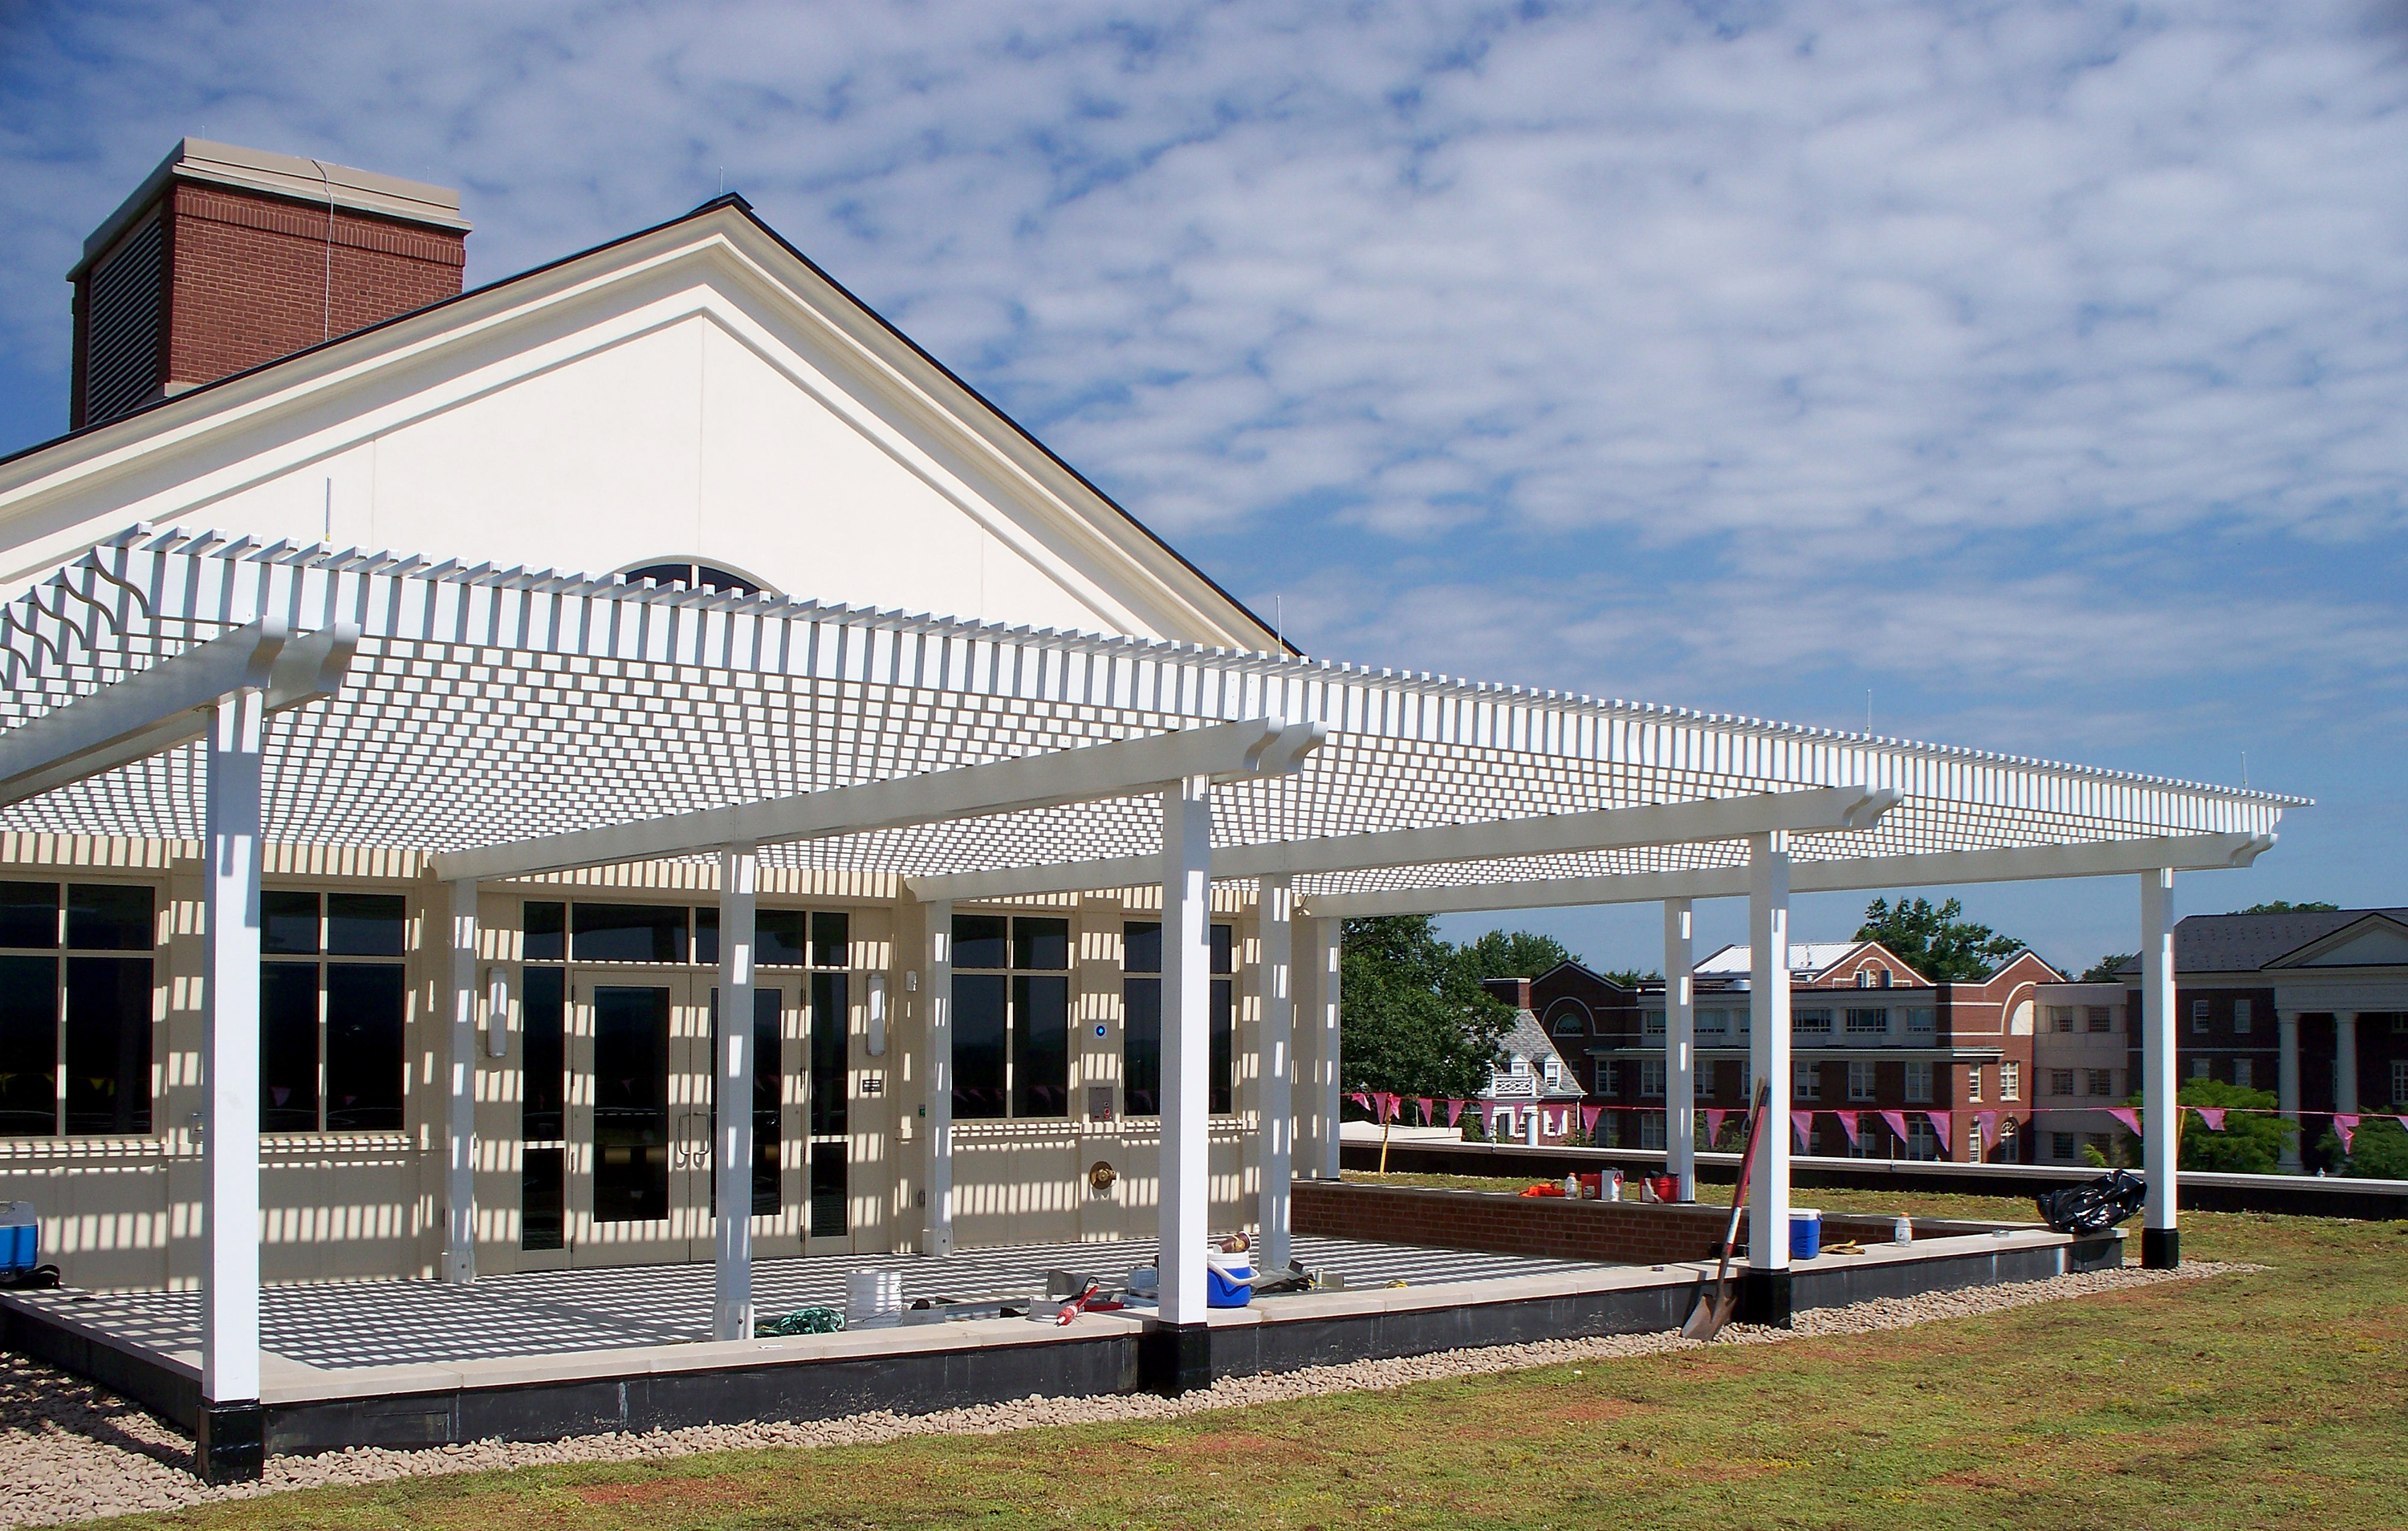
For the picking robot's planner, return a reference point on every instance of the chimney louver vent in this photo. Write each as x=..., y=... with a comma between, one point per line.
x=126, y=306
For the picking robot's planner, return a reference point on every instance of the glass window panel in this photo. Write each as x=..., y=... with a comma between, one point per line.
x=830, y=1018
x=368, y=1006
x=1040, y=1074
x=543, y=1053
x=543, y=1198
x=831, y=940
x=29, y=1041
x=978, y=1021
x=628, y=932
x=778, y=935
x=1141, y=1045
x=706, y=936
x=366, y=924
x=631, y=1104
x=979, y=940
x=108, y=1043
x=768, y=1122
x=1224, y=1031
x=288, y=1046
x=543, y=932
x=829, y=1162
x=287, y=922
x=1042, y=945
x=29, y=914
x=108, y=917
x=1224, y=949
x=1142, y=946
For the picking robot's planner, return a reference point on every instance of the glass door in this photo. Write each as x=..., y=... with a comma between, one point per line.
x=827, y=1111
x=776, y=1211
x=645, y=1138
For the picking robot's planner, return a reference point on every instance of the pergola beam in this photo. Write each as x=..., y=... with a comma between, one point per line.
x=1812, y=811
x=1254, y=748
x=169, y=703
x=2020, y=864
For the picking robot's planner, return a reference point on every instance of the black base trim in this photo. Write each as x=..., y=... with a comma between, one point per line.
x=1767, y=1298
x=2162, y=1248
x=1175, y=1358
x=231, y=1444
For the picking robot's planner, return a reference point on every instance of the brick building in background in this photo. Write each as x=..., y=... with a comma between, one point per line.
x=226, y=259
x=2310, y=1003
x=1870, y=1036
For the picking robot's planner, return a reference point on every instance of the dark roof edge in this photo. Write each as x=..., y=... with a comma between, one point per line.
x=725, y=200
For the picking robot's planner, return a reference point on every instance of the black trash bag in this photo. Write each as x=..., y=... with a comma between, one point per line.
x=36, y=1279
x=2095, y=1208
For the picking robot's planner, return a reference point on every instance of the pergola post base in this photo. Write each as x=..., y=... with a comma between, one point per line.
x=1765, y=1298
x=1175, y=1358
x=230, y=1443
x=2162, y=1248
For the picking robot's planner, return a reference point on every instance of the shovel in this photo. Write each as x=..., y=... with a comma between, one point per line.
x=1714, y=1308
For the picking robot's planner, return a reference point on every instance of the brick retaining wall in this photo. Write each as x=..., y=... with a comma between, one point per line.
x=1557, y=1228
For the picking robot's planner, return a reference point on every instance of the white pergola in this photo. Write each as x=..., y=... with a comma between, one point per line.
x=503, y=721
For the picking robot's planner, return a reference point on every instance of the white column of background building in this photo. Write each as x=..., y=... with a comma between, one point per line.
x=731, y=1308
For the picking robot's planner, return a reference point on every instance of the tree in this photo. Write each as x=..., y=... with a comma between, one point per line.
x=1938, y=943
x=2108, y=969
x=2378, y=1149
x=2283, y=906
x=2250, y=1144
x=1516, y=953
x=1630, y=978
x=1413, y=1017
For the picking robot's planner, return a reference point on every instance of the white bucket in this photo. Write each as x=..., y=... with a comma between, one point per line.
x=872, y=1298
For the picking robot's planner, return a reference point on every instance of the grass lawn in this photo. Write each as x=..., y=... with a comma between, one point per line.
x=2269, y=1399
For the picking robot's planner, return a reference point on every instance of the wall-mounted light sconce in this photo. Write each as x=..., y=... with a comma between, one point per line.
x=877, y=1015
x=497, y=1011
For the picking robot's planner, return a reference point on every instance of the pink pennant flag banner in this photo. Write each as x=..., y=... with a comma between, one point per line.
x=1455, y=1112
x=2345, y=1127
x=1850, y=1123
x=1714, y=1120
x=1359, y=1098
x=1896, y=1121
x=2127, y=1115
x=1588, y=1118
x=1988, y=1121
x=1802, y=1122
x=2212, y=1115
x=1429, y=1109
x=1939, y=1120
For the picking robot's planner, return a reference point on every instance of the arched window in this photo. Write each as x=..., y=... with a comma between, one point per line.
x=1864, y=978
x=1567, y=1017
x=1882, y=981
x=694, y=575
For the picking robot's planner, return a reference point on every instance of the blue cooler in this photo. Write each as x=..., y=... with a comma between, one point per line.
x=1805, y=1232
x=21, y=1240
x=1228, y=1278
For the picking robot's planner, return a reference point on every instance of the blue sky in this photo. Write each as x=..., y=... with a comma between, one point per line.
x=2036, y=367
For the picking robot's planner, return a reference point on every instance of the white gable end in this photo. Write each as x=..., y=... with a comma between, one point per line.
x=2381, y=945
x=689, y=401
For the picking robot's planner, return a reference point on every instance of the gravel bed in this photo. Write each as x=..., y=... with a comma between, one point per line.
x=75, y=1452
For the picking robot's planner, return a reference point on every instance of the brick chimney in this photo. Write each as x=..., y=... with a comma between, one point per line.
x=226, y=258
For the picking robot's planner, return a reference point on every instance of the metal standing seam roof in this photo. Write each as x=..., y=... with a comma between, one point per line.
x=493, y=705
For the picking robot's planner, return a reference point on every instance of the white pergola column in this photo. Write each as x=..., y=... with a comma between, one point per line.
x=2160, y=1244
x=460, y=1094
x=940, y=1011
x=1680, y=1046
x=1278, y=908
x=2344, y=1061
x=1768, y=1207
x=1329, y=950
x=1184, y=1361
x=230, y=1444
x=731, y=1307
x=2286, y=1083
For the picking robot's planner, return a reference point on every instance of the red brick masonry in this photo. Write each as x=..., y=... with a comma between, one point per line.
x=1604, y=1231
